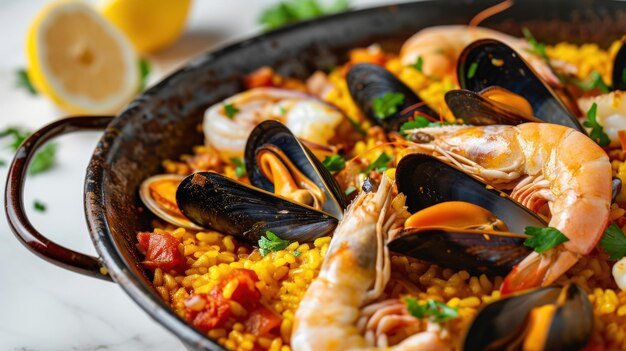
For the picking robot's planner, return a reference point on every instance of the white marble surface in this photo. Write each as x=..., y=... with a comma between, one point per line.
x=43, y=307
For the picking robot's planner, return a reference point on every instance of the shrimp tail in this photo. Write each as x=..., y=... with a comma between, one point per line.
x=538, y=269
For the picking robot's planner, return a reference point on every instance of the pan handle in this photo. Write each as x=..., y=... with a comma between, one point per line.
x=14, y=198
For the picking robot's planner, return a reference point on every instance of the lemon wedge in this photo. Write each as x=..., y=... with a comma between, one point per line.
x=79, y=60
x=149, y=24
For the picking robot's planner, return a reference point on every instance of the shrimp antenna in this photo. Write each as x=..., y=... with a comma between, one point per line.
x=490, y=11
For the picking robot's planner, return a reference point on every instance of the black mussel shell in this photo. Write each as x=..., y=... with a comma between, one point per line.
x=478, y=110
x=619, y=69
x=367, y=82
x=277, y=134
x=488, y=62
x=616, y=188
x=501, y=324
x=427, y=181
x=214, y=201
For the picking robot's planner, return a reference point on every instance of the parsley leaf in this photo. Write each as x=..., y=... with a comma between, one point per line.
x=39, y=206
x=287, y=12
x=537, y=47
x=230, y=110
x=597, y=132
x=543, y=239
x=240, y=167
x=419, y=122
x=380, y=164
x=436, y=311
x=23, y=81
x=144, y=71
x=471, y=71
x=387, y=105
x=594, y=81
x=613, y=242
x=271, y=242
x=350, y=190
x=296, y=253
x=42, y=161
x=418, y=64
x=334, y=163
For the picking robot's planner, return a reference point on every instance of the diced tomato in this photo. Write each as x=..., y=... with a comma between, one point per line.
x=161, y=251
x=262, y=321
x=621, y=222
x=262, y=77
x=246, y=292
x=215, y=313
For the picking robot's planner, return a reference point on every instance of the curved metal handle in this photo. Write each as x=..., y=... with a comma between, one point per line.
x=14, y=198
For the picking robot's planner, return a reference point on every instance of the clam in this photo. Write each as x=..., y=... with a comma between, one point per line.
x=158, y=193
x=619, y=69
x=487, y=63
x=368, y=82
x=295, y=197
x=550, y=318
x=458, y=221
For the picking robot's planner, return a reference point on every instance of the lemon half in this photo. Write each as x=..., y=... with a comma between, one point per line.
x=79, y=60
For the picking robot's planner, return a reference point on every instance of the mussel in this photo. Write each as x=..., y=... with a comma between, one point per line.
x=488, y=62
x=618, y=74
x=368, y=82
x=158, y=193
x=550, y=318
x=457, y=219
x=231, y=207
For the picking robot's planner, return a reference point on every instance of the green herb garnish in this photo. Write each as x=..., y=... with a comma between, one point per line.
x=240, y=167
x=594, y=81
x=543, y=239
x=3, y=163
x=296, y=253
x=271, y=243
x=230, y=110
x=334, y=163
x=387, y=105
x=613, y=242
x=350, y=190
x=43, y=160
x=39, y=206
x=287, y=12
x=357, y=127
x=471, y=71
x=437, y=311
x=380, y=164
x=23, y=81
x=597, y=132
x=144, y=72
x=537, y=47
x=418, y=64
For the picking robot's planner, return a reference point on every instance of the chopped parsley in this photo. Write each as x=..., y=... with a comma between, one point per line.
x=39, y=206
x=613, y=242
x=240, y=167
x=350, y=190
x=334, y=163
x=471, y=71
x=419, y=63
x=434, y=310
x=3, y=163
x=594, y=81
x=387, y=105
x=286, y=12
x=144, y=72
x=23, y=81
x=296, y=253
x=271, y=243
x=418, y=122
x=380, y=164
x=43, y=160
x=597, y=132
x=543, y=239
x=537, y=48
x=230, y=110
x=357, y=127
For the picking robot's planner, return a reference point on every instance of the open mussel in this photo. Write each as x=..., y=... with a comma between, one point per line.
x=158, y=193
x=488, y=62
x=619, y=69
x=550, y=318
x=459, y=221
x=368, y=82
x=292, y=194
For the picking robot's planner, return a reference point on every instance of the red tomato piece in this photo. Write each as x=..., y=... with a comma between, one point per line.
x=262, y=77
x=161, y=251
x=246, y=292
x=262, y=321
x=213, y=315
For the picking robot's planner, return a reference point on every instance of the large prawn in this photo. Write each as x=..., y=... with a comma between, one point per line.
x=440, y=46
x=543, y=164
x=354, y=273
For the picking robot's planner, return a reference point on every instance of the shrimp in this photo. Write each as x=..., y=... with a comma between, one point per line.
x=307, y=117
x=611, y=112
x=440, y=47
x=354, y=273
x=542, y=164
